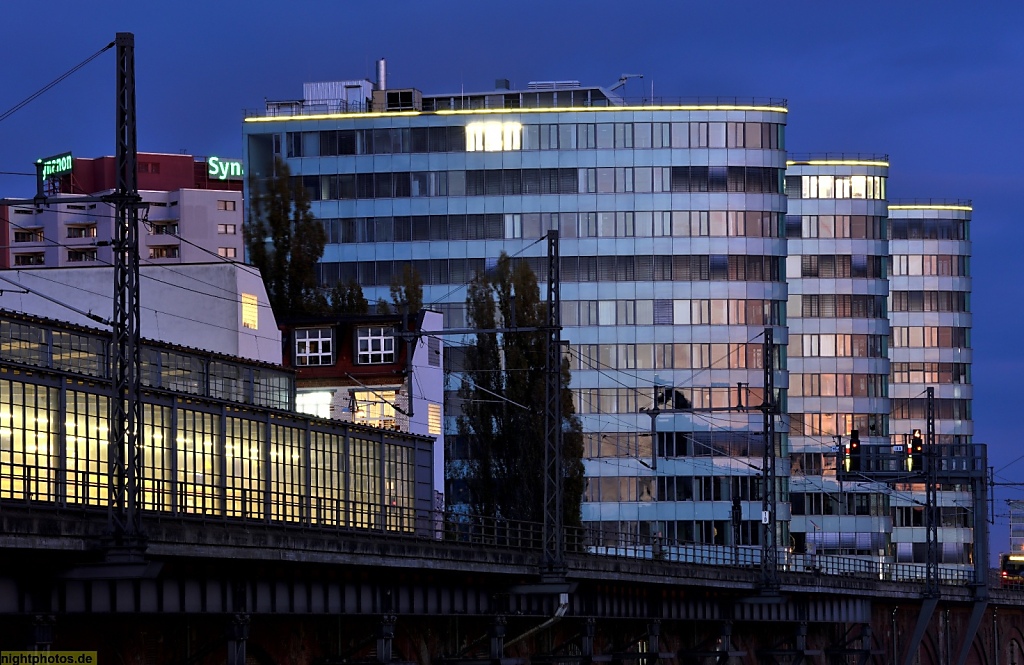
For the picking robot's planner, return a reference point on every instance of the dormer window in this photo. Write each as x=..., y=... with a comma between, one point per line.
x=375, y=346
x=314, y=347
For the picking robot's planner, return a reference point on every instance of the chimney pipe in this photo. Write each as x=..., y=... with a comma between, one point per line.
x=382, y=74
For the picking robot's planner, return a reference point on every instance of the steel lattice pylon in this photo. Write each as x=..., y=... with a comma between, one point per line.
x=125, y=424
x=554, y=538
x=769, y=544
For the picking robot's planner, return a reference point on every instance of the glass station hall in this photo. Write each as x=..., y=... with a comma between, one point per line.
x=218, y=438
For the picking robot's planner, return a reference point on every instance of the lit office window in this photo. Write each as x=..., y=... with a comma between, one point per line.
x=493, y=136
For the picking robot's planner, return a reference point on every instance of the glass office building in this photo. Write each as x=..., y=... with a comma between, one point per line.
x=671, y=220
x=929, y=308
x=684, y=234
x=838, y=363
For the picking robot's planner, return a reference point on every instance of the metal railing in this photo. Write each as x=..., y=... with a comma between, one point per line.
x=476, y=531
x=500, y=100
x=838, y=157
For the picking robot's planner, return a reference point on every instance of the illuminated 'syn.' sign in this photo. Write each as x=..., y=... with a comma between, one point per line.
x=56, y=166
x=222, y=169
x=493, y=136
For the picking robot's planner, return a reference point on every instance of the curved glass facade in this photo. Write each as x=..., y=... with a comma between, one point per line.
x=684, y=233
x=671, y=224
x=930, y=291
x=837, y=271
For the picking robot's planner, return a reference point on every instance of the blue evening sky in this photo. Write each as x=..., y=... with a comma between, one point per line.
x=936, y=86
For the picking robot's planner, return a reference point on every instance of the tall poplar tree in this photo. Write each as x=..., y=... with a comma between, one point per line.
x=503, y=398
x=285, y=241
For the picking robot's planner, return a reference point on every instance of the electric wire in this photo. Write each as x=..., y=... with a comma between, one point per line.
x=35, y=95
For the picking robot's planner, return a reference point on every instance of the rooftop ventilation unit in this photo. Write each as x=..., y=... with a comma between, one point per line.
x=408, y=99
x=552, y=85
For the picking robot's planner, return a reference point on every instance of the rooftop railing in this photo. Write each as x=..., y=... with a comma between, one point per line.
x=514, y=101
x=800, y=158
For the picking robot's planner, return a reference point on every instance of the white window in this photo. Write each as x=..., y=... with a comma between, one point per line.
x=227, y=252
x=226, y=229
x=225, y=205
x=314, y=346
x=376, y=346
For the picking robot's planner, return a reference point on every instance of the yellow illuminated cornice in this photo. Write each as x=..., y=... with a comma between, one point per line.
x=560, y=109
x=579, y=109
x=838, y=162
x=333, y=116
x=930, y=207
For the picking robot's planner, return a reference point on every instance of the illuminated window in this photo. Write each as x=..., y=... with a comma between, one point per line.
x=493, y=136
x=375, y=408
x=314, y=403
x=225, y=205
x=227, y=252
x=434, y=419
x=375, y=346
x=250, y=312
x=226, y=229
x=314, y=346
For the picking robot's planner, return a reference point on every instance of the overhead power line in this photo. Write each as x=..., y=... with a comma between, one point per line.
x=38, y=93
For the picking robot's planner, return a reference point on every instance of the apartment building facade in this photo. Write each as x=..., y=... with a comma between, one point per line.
x=194, y=214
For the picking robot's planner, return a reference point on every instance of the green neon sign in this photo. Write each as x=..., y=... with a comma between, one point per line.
x=57, y=165
x=224, y=169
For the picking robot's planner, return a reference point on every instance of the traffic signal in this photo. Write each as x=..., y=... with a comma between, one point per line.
x=915, y=452
x=853, y=452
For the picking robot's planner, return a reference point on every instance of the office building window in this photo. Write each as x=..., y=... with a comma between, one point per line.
x=314, y=346
x=226, y=229
x=227, y=252
x=226, y=205
x=376, y=346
